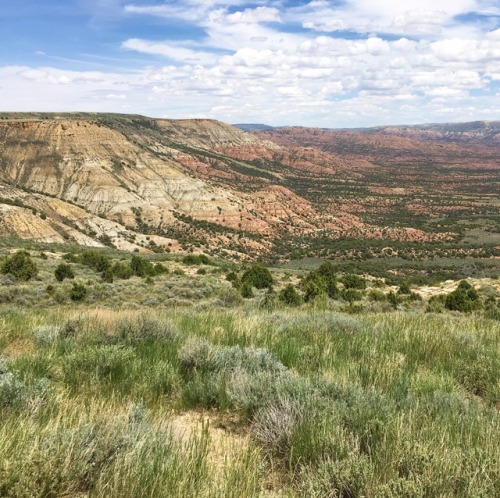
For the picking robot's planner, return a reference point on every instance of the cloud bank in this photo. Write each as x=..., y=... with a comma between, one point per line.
x=316, y=63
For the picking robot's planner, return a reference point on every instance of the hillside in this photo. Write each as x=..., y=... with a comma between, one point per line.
x=155, y=184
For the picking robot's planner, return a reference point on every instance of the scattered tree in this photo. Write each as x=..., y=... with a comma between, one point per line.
x=290, y=296
x=63, y=271
x=21, y=266
x=78, y=292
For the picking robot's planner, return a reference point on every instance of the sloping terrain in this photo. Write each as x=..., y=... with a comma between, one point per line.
x=437, y=178
x=157, y=184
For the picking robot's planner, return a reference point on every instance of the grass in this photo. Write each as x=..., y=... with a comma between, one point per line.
x=317, y=403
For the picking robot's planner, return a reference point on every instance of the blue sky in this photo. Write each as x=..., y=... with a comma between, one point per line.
x=337, y=63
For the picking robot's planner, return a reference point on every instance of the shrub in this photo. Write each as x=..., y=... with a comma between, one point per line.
x=78, y=292
x=63, y=271
x=106, y=240
x=71, y=257
x=290, y=296
x=196, y=259
x=159, y=269
x=198, y=355
x=404, y=288
x=12, y=391
x=15, y=394
x=253, y=391
x=350, y=295
x=393, y=299
x=229, y=297
x=326, y=269
x=144, y=268
x=107, y=275
x=464, y=285
x=275, y=423
x=376, y=295
x=258, y=276
x=246, y=290
x=353, y=282
x=465, y=298
x=122, y=270
x=313, y=290
x=492, y=311
x=320, y=281
x=347, y=477
x=20, y=265
x=95, y=260
x=46, y=335
x=147, y=328
x=232, y=277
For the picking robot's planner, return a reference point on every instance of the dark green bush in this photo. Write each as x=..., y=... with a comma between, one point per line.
x=141, y=267
x=122, y=270
x=320, y=281
x=376, y=295
x=353, y=282
x=259, y=277
x=107, y=275
x=351, y=295
x=63, y=271
x=465, y=298
x=78, y=292
x=71, y=257
x=393, y=299
x=290, y=296
x=196, y=259
x=404, y=288
x=313, y=290
x=20, y=265
x=246, y=290
x=95, y=260
x=160, y=269
x=231, y=276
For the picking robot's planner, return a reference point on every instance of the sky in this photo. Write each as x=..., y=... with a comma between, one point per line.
x=336, y=63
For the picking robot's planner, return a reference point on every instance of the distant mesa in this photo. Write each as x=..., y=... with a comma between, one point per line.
x=253, y=127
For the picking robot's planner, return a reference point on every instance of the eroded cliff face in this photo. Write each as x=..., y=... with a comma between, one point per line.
x=100, y=169
x=149, y=184
x=125, y=179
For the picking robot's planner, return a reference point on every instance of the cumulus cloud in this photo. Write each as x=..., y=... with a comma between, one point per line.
x=292, y=65
x=252, y=16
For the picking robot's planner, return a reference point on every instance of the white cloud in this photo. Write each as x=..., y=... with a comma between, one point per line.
x=326, y=25
x=252, y=16
x=251, y=65
x=466, y=50
x=169, y=50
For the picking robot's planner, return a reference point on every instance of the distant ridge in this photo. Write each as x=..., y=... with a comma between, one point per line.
x=253, y=127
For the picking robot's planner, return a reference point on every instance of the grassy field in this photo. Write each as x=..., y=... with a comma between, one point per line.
x=175, y=385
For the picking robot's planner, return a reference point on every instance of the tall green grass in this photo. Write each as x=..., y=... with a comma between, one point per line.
x=383, y=405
